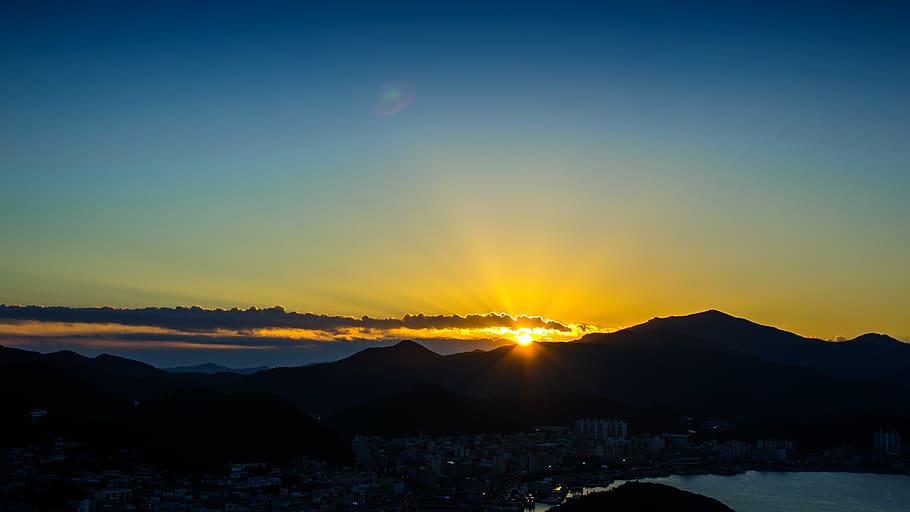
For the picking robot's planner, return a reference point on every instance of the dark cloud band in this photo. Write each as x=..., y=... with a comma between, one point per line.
x=197, y=319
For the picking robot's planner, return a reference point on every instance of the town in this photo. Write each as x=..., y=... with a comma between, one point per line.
x=495, y=472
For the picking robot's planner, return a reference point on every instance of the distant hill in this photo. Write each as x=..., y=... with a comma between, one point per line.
x=209, y=368
x=867, y=357
x=636, y=496
x=709, y=364
x=125, y=377
x=182, y=421
x=366, y=375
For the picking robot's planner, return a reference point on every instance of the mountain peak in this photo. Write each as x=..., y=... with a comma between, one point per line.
x=710, y=314
x=715, y=313
x=874, y=337
x=405, y=351
x=412, y=348
x=122, y=366
x=410, y=345
x=65, y=353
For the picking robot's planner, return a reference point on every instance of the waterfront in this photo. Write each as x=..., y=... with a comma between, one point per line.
x=759, y=491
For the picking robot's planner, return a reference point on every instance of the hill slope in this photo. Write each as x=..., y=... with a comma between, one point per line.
x=635, y=496
x=708, y=364
x=870, y=357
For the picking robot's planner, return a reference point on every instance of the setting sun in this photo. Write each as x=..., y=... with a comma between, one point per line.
x=524, y=338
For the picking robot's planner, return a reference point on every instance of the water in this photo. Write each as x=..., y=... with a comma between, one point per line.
x=756, y=491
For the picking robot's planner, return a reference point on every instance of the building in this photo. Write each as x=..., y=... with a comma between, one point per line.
x=616, y=450
x=888, y=443
x=600, y=429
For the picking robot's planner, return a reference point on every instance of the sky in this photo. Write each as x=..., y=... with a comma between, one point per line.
x=592, y=165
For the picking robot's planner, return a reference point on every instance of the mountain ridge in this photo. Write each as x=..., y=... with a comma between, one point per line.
x=210, y=368
x=709, y=364
x=866, y=357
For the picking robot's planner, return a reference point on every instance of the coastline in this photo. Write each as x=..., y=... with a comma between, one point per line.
x=726, y=491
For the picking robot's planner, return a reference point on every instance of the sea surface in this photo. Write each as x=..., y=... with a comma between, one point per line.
x=756, y=491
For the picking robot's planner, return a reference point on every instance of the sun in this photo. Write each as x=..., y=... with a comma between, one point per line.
x=524, y=338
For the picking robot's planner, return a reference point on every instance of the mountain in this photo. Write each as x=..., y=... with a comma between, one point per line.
x=704, y=361
x=133, y=380
x=183, y=422
x=209, y=368
x=368, y=374
x=870, y=357
x=30, y=381
x=634, y=496
x=709, y=365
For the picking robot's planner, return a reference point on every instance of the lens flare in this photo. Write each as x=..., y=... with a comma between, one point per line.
x=392, y=99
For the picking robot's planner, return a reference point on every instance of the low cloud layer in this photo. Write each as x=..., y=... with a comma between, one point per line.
x=254, y=336
x=197, y=319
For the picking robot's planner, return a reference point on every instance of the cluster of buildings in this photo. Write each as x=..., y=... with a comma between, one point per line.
x=501, y=471
x=505, y=471
x=65, y=477
x=497, y=472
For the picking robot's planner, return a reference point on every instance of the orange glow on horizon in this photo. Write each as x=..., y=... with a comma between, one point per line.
x=107, y=334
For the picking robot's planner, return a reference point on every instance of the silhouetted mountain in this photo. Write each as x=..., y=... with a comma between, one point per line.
x=876, y=339
x=105, y=364
x=705, y=364
x=130, y=379
x=638, y=368
x=870, y=357
x=403, y=353
x=182, y=424
x=366, y=375
x=635, y=496
x=28, y=381
x=209, y=368
x=708, y=364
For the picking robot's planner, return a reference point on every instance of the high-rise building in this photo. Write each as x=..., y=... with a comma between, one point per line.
x=601, y=428
x=888, y=443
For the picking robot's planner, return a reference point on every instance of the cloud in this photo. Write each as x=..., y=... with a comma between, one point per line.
x=165, y=350
x=255, y=336
x=154, y=340
x=197, y=319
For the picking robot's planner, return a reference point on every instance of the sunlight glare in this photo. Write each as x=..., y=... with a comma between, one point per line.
x=524, y=338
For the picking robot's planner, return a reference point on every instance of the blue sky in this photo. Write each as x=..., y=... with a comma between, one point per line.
x=596, y=164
